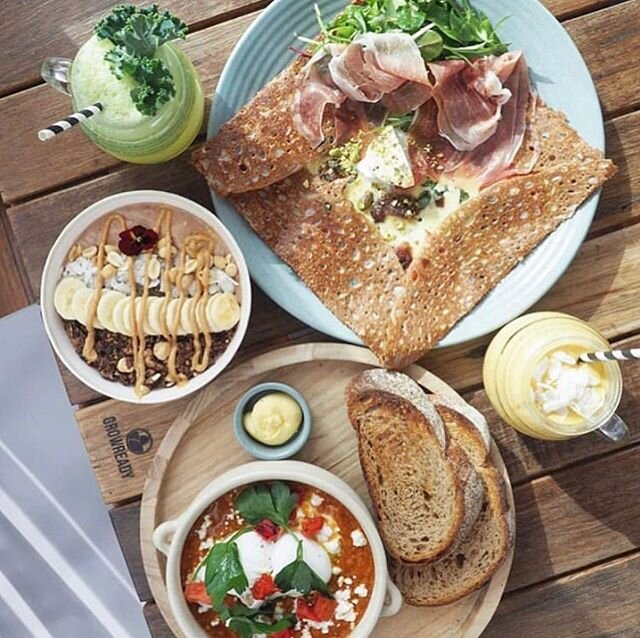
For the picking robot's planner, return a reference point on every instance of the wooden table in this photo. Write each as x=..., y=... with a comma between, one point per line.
x=577, y=566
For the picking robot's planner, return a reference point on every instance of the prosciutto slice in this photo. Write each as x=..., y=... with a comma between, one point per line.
x=494, y=159
x=470, y=97
x=409, y=97
x=314, y=93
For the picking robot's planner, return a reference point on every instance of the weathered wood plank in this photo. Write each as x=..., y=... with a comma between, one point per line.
x=597, y=603
x=577, y=517
x=157, y=626
x=13, y=291
x=20, y=64
x=31, y=166
x=564, y=9
x=126, y=523
x=605, y=39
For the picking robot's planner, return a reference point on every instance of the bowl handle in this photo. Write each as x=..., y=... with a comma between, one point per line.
x=393, y=600
x=162, y=536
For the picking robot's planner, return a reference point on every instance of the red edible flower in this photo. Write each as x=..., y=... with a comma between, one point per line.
x=285, y=633
x=136, y=240
x=268, y=530
x=197, y=593
x=264, y=587
x=319, y=609
x=311, y=526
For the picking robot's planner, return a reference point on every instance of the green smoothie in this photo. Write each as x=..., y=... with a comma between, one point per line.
x=130, y=131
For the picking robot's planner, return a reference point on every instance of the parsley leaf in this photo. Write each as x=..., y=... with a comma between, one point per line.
x=274, y=502
x=223, y=571
x=136, y=35
x=300, y=577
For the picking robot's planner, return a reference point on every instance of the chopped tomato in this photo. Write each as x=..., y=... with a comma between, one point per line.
x=324, y=608
x=311, y=526
x=197, y=593
x=268, y=530
x=285, y=633
x=319, y=609
x=264, y=587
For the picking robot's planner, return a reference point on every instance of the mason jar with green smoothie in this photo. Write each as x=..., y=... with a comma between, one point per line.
x=139, y=93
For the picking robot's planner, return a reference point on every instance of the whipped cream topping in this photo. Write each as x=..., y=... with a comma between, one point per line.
x=563, y=386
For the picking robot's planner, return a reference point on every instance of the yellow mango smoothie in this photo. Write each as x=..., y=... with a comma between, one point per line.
x=152, y=101
x=534, y=378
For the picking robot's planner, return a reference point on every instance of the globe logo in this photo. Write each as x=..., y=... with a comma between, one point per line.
x=139, y=441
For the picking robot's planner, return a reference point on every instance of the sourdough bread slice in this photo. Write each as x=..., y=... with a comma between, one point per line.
x=426, y=494
x=475, y=560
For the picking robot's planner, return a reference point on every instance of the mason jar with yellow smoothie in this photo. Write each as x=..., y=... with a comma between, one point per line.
x=536, y=382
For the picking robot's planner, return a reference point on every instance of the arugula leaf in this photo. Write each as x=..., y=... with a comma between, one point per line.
x=136, y=35
x=300, y=577
x=465, y=31
x=275, y=502
x=224, y=571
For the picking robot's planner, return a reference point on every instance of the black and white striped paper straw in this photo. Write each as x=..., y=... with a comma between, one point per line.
x=611, y=355
x=73, y=119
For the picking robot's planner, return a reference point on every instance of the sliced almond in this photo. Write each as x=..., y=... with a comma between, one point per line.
x=108, y=271
x=173, y=273
x=161, y=350
x=153, y=269
x=115, y=259
x=90, y=251
x=162, y=241
x=231, y=269
x=110, y=248
x=190, y=266
x=124, y=365
x=219, y=262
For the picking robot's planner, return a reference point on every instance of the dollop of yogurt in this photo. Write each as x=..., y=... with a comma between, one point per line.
x=564, y=387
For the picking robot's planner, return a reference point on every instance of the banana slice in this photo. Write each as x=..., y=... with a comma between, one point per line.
x=63, y=296
x=153, y=310
x=80, y=303
x=108, y=301
x=223, y=312
x=172, y=312
x=122, y=309
x=185, y=316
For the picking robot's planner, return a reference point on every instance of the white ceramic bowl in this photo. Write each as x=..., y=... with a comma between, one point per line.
x=169, y=537
x=54, y=324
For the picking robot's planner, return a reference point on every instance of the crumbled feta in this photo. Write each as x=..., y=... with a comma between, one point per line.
x=333, y=546
x=215, y=622
x=202, y=530
x=325, y=533
x=203, y=609
x=348, y=581
x=345, y=609
x=206, y=544
x=335, y=570
x=316, y=500
x=361, y=591
x=324, y=627
x=358, y=538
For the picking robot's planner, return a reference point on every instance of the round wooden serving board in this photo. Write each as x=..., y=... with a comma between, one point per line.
x=201, y=444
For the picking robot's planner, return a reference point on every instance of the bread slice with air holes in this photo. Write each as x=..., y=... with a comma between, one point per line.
x=426, y=494
x=476, y=559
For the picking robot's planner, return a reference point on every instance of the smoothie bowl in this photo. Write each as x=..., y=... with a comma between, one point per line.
x=278, y=548
x=145, y=296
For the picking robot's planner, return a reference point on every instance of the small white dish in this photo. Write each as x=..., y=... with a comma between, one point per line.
x=54, y=324
x=169, y=537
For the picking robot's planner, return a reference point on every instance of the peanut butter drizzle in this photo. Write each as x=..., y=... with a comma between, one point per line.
x=88, y=351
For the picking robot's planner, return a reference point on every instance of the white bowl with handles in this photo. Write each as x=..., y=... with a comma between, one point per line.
x=170, y=537
x=54, y=324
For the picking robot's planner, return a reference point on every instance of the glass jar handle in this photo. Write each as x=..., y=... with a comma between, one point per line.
x=55, y=72
x=615, y=429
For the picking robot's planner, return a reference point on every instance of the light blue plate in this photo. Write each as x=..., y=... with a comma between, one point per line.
x=561, y=78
